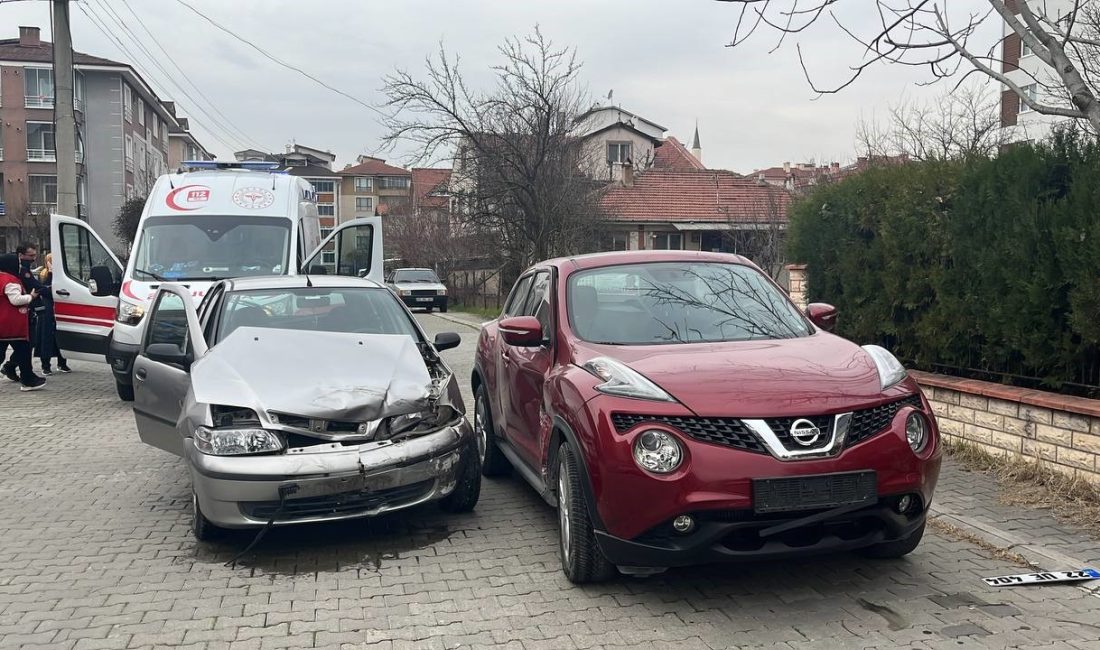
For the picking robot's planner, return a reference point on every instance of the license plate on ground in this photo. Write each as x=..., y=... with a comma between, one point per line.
x=791, y=494
x=1045, y=577
x=425, y=299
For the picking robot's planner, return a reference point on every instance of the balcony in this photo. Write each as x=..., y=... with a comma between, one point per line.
x=43, y=208
x=38, y=101
x=1, y=153
x=41, y=155
x=3, y=209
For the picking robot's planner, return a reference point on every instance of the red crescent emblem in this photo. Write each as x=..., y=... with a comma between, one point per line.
x=204, y=192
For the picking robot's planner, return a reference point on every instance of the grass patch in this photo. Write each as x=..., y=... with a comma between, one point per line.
x=1034, y=483
x=954, y=532
x=484, y=313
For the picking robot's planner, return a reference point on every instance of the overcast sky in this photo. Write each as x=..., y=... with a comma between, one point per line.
x=664, y=59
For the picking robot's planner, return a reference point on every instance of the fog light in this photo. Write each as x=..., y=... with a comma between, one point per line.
x=657, y=451
x=902, y=506
x=683, y=524
x=916, y=431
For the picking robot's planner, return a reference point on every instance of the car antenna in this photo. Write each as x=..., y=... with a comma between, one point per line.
x=309, y=283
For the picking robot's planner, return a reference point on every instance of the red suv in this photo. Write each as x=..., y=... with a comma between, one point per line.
x=678, y=408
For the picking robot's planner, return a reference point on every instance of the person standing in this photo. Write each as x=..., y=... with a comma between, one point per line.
x=25, y=254
x=15, y=321
x=46, y=339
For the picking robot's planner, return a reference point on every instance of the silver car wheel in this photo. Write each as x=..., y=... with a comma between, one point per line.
x=563, y=512
x=480, y=429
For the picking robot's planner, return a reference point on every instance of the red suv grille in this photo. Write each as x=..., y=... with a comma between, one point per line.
x=732, y=433
x=720, y=431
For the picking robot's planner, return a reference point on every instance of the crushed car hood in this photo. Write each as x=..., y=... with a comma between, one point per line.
x=329, y=375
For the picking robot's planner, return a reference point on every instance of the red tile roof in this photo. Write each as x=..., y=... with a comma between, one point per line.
x=672, y=154
x=11, y=50
x=374, y=167
x=426, y=180
x=679, y=195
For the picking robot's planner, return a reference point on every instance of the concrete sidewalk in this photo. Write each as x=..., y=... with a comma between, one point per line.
x=970, y=501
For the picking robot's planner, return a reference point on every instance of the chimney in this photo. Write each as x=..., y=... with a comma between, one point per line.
x=786, y=168
x=628, y=174
x=836, y=165
x=29, y=36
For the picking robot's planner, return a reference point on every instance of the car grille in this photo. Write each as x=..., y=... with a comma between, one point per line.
x=343, y=503
x=868, y=422
x=721, y=431
x=781, y=427
x=423, y=292
x=730, y=432
x=319, y=425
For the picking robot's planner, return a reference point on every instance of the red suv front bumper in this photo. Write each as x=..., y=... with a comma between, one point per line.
x=714, y=486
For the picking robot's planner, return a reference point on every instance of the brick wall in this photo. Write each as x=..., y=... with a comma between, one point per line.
x=796, y=284
x=1059, y=430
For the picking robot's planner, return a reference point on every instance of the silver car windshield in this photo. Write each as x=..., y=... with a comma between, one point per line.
x=317, y=309
x=651, y=303
x=176, y=248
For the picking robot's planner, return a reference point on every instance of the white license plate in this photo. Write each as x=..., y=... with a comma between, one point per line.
x=425, y=299
x=1045, y=577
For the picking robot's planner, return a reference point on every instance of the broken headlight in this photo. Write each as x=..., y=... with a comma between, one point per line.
x=228, y=416
x=420, y=422
x=236, y=442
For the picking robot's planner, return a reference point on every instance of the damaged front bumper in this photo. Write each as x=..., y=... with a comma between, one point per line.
x=329, y=482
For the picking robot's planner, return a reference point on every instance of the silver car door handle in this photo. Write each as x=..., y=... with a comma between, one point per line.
x=140, y=373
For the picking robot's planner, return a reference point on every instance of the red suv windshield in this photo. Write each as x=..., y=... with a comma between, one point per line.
x=653, y=303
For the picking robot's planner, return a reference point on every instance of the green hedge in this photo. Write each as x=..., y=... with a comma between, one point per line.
x=987, y=268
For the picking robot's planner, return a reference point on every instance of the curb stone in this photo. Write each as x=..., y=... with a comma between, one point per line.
x=1037, y=556
x=465, y=319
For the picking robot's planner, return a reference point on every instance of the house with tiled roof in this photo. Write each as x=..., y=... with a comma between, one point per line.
x=800, y=177
x=689, y=209
x=431, y=190
x=372, y=186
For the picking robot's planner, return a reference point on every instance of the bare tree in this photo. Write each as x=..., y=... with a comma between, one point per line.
x=958, y=124
x=516, y=159
x=762, y=236
x=923, y=33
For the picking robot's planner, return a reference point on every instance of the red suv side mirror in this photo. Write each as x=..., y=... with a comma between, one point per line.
x=521, y=331
x=821, y=314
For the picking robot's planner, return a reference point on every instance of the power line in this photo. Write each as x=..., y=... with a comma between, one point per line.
x=213, y=105
x=101, y=26
x=214, y=122
x=284, y=64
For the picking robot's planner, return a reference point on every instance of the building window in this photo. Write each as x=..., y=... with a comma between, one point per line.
x=127, y=102
x=320, y=186
x=129, y=152
x=363, y=183
x=614, y=241
x=1032, y=93
x=668, y=241
x=326, y=210
x=78, y=91
x=43, y=193
x=364, y=204
x=38, y=87
x=618, y=152
x=394, y=182
x=139, y=108
x=1025, y=49
x=40, y=143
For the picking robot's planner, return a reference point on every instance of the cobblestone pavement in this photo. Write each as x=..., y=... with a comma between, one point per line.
x=95, y=552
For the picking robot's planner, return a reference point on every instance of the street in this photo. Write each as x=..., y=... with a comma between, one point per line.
x=97, y=553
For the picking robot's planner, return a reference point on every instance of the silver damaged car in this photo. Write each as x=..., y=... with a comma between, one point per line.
x=295, y=399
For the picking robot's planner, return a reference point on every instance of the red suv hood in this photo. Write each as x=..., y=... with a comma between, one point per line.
x=811, y=375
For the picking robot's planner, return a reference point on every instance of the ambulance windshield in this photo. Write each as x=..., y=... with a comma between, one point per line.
x=190, y=247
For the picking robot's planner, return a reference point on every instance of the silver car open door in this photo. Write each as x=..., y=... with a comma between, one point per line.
x=173, y=341
x=353, y=248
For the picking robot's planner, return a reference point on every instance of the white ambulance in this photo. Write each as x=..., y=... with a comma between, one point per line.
x=214, y=221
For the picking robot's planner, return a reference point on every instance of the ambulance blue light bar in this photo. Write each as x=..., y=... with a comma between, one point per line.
x=251, y=165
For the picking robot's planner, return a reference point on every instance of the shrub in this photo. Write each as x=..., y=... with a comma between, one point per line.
x=988, y=268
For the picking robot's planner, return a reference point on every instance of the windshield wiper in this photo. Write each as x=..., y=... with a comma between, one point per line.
x=151, y=274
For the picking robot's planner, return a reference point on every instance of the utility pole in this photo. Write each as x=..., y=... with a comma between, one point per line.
x=63, y=113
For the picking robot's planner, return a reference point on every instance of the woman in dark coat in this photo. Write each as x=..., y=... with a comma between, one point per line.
x=46, y=334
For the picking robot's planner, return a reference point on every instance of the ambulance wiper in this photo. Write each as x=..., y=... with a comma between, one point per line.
x=151, y=274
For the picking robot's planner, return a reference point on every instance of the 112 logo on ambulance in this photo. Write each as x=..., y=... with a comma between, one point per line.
x=188, y=197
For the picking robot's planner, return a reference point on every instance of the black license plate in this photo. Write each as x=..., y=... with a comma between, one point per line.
x=814, y=492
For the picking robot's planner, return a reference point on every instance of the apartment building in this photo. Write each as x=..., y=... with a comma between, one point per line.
x=1034, y=77
x=372, y=187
